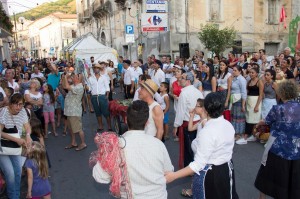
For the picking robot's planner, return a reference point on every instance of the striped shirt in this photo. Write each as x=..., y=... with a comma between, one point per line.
x=9, y=120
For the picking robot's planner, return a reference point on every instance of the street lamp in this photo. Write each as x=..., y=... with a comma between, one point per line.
x=21, y=20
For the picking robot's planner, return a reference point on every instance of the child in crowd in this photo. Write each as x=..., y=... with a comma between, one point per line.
x=142, y=79
x=279, y=75
x=37, y=173
x=199, y=110
x=164, y=90
x=8, y=92
x=48, y=108
x=60, y=95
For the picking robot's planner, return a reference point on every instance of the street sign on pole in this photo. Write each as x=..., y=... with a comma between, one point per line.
x=129, y=34
x=156, y=6
x=154, y=22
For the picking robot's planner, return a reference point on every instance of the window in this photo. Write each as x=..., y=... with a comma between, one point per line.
x=214, y=10
x=273, y=11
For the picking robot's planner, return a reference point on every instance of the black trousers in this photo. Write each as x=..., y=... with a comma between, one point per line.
x=127, y=89
x=189, y=136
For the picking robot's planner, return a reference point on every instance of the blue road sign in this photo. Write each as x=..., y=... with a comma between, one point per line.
x=129, y=29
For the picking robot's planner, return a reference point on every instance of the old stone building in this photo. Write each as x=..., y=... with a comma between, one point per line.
x=256, y=21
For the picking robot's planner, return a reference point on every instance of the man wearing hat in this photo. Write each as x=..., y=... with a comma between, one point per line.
x=128, y=79
x=100, y=89
x=154, y=126
x=157, y=75
x=186, y=102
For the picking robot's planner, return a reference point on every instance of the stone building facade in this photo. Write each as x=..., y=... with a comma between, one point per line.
x=256, y=22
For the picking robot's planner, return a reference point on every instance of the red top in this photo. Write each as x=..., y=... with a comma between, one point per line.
x=176, y=88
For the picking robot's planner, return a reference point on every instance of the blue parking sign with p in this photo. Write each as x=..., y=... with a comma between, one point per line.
x=129, y=29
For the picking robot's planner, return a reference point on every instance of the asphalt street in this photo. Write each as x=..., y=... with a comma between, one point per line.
x=71, y=177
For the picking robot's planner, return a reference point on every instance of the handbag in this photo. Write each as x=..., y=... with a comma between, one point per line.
x=10, y=147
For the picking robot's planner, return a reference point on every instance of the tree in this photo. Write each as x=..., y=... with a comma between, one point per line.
x=217, y=40
x=4, y=20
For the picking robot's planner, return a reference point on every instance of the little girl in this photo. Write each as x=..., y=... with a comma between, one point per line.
x=165, y=105
x=199, y=110
x=48, y=108
x=37, y=173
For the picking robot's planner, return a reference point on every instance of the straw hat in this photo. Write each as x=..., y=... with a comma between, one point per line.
x=150, y=86
x=97, y=66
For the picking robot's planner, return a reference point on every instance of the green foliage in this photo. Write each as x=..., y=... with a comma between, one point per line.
x=5, y=22
x=217, y=40
x=65, y=6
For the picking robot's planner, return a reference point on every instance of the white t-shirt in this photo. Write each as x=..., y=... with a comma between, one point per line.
x=14, y=85
x=2, y=91
x=168, y=67
x=39, y=75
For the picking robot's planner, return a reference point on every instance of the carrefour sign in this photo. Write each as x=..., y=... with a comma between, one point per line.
x=156, y=6
x=154, y=22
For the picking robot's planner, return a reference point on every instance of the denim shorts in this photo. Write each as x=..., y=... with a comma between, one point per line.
x=100, y=104
x=166, y=118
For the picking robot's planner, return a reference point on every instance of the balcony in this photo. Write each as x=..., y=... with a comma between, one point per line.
x=86, y=14
x=101, y=9
x=80, y=18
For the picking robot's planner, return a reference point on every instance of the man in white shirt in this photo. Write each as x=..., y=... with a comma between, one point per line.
x=128, y=78
x=9, y=76
x=157, y=75
x=168, y=68
x=186, y=102
x=137, y=71
x=37, y=73
x=100, y=89
x=146, y=158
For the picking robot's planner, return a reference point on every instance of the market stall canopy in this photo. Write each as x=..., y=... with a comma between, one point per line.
x=88, y=46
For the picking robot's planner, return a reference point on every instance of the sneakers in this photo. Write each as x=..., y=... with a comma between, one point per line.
x=251, y=139
x=241, y=141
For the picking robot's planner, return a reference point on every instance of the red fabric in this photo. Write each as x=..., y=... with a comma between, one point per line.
x=117, y=109
x=226, y=115
x=111, y=158
x=282, y=17
x=181, y=142
x=176, y=88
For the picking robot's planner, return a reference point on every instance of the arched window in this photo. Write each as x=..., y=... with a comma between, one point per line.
x=103, y=38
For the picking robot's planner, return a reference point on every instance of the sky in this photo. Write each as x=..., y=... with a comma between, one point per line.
x=16, y=6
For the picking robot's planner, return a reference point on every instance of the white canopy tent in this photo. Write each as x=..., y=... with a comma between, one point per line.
x=89, y=46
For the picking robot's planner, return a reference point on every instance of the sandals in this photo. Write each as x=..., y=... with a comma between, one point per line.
x=80, y=148
x=187, y=193
x=71, y=146
x=64, y=133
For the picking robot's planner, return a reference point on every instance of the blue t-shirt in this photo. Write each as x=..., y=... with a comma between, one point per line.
x=53, y=80
x=40, y=186
x=284, y=121
x=120, y=68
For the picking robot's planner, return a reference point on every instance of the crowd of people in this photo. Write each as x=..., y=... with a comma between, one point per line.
x=257, y=90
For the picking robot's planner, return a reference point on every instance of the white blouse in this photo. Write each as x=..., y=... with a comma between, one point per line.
x=222, y=82
x=214, y=144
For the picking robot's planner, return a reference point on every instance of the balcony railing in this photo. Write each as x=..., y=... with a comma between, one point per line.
x=80, y=18
x=87, y=13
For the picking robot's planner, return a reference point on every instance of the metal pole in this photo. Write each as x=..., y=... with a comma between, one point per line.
x=16, y=42
x=169, y=18
x=110, y=32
